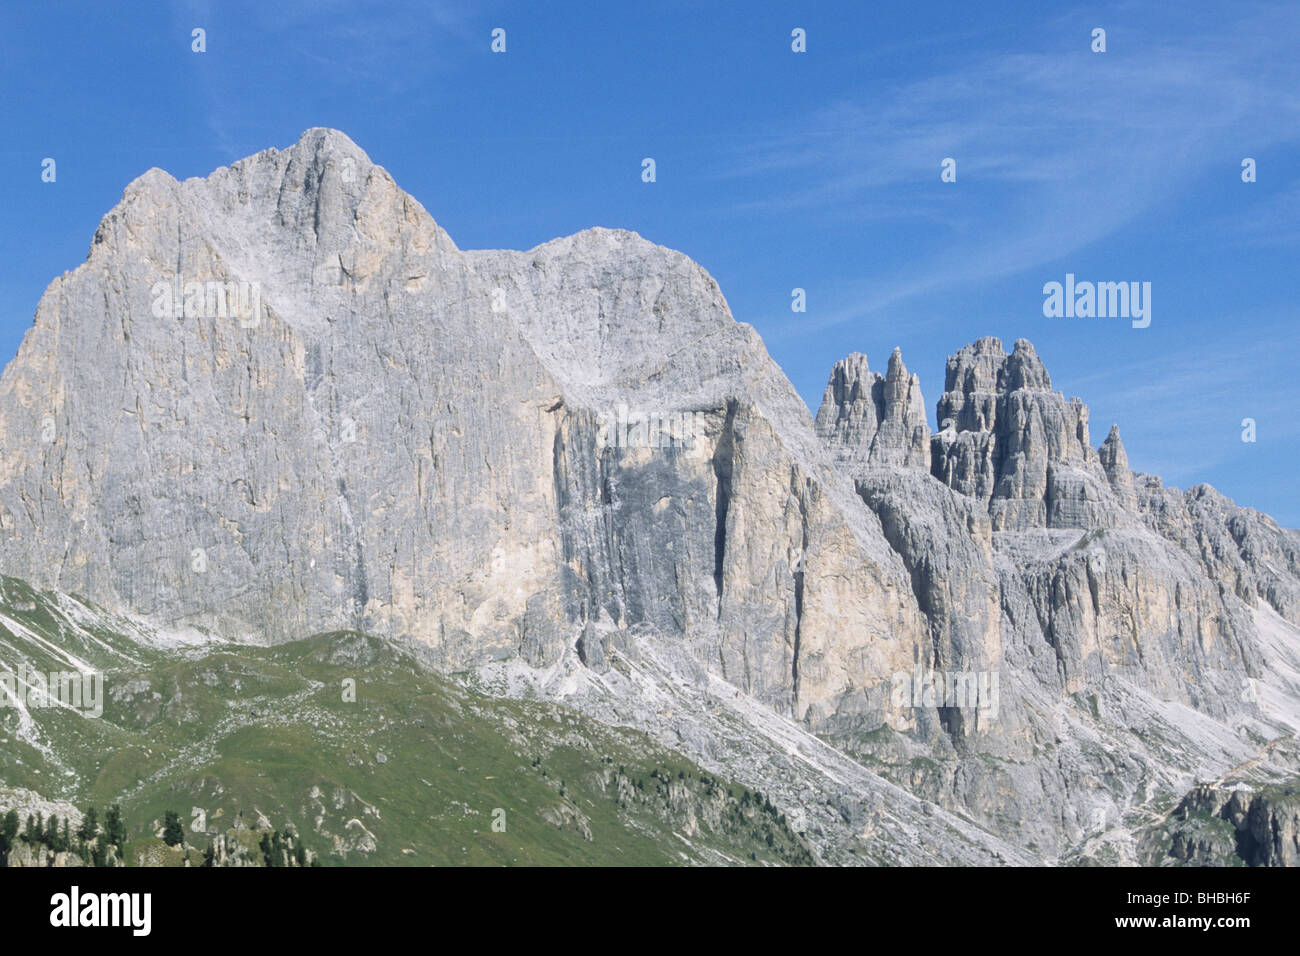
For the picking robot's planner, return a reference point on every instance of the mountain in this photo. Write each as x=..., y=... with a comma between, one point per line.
x=279, y=402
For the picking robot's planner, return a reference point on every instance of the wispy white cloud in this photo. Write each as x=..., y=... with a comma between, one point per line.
x=1077, y=145
x=1172, y=404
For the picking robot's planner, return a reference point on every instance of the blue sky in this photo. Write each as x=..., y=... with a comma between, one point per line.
x=775, y=170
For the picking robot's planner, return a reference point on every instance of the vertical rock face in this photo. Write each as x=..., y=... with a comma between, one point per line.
x=1007, y=438
x=1216, y=825
x=338, y=458
x=1114, y=461
x=876, y=428
x=430, y=444
x=745, y=540
x=1243, y=551
x=1053, y=566
x=869, y=419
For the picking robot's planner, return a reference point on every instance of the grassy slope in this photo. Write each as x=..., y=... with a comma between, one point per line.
x=411, y=772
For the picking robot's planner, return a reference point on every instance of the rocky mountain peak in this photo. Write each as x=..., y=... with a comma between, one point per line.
x=1024, y=369
x=1111, y=453
x=976, y=367
x=897, y=379
x=873, y=420
x=1114, y=461
x=1008, y=439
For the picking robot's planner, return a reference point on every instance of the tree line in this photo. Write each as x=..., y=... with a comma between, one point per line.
x=94, y=843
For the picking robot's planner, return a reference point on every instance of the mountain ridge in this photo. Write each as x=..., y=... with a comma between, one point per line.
x=405, y=441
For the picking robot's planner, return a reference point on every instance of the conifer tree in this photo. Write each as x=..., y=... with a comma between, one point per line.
x=113, y=826
x=89, y=825
x=99, y=853
x=173, y=832
x=8, y=833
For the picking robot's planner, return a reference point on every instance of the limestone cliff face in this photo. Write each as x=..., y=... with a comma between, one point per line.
x=337, y=459
x=872, y=419
x=1114, y=461
x=1242, y=550
x=1224, y=826
x=430, y=444
x=1078, y=582
x=744, y=538
x=1007, y=438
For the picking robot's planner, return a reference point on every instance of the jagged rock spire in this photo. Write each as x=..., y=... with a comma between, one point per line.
x=1016, y=443
x=870, y=420
x=1114, y=460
